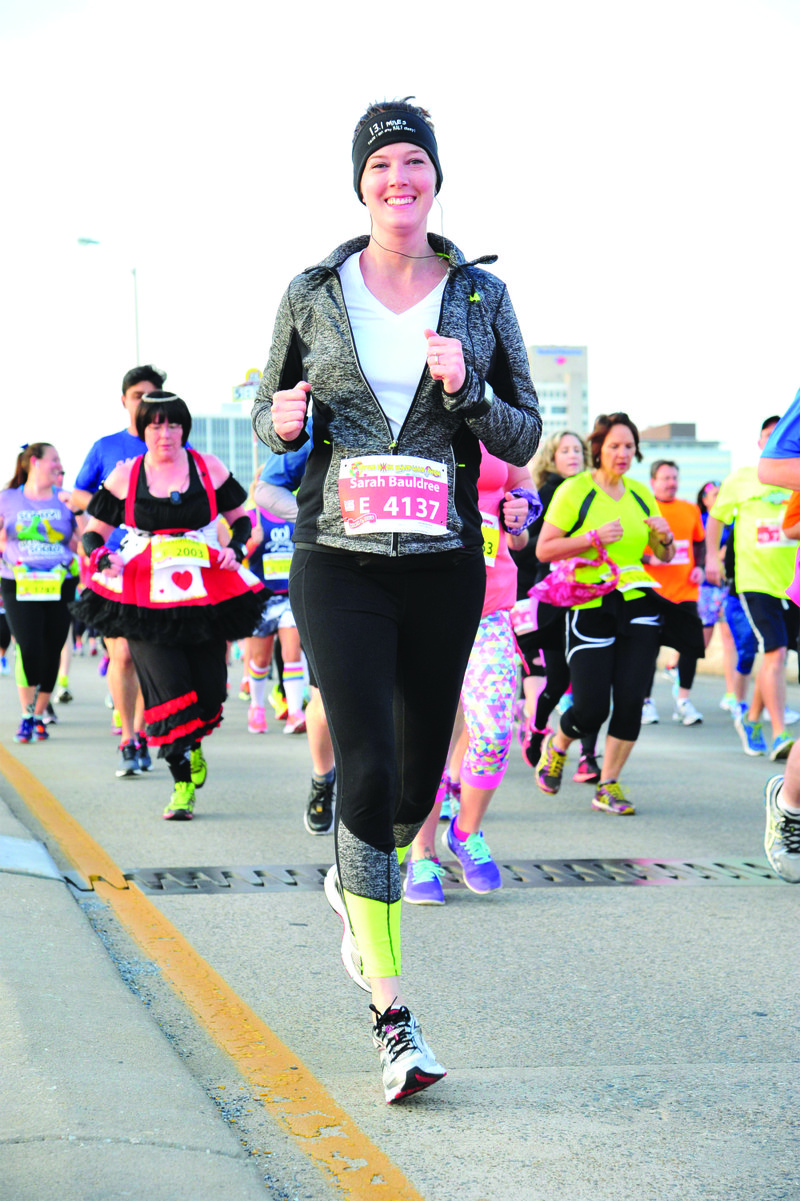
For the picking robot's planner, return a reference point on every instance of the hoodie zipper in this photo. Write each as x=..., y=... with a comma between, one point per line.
x=392, y=445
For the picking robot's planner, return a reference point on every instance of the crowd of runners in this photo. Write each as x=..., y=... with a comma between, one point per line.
x=408, y=518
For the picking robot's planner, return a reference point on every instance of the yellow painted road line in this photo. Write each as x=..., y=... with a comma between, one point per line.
x=289, y=1091
x=86, y=855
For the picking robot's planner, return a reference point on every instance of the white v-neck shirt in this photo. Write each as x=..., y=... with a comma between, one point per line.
x=391, y=347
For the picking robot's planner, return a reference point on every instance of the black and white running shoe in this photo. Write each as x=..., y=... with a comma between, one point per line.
x=318, y=817
x=128, y=761
x=408, y=1063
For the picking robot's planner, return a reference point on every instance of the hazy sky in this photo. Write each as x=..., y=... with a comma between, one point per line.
x=634, y=165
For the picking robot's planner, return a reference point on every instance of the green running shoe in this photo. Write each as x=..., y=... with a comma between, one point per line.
x=181, y=803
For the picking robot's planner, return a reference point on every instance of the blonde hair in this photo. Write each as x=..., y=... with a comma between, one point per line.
x=544, y=461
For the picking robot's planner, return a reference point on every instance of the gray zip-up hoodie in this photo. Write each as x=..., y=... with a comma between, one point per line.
x=313, y=341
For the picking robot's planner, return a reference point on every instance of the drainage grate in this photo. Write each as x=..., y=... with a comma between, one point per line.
x=524, y=873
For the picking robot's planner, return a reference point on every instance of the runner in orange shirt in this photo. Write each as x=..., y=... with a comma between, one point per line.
x=680, y=579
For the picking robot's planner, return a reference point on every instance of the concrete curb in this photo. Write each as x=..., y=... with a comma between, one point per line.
x=95, y=1104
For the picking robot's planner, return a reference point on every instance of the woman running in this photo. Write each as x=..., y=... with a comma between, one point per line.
x=169, y=588
x=38, y=574
x=412, y=355
x=612, y=641
x=560, y=456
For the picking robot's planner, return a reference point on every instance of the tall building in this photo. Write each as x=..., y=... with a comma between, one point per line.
x=698, y=461
x=229, y=434
x=560, y=375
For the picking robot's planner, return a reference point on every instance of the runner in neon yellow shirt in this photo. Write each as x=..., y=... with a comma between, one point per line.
x=612, y=641
x=764, y=570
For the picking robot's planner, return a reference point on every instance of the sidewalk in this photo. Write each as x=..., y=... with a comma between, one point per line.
x=95, y=1103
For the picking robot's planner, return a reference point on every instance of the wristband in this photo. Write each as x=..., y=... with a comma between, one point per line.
x=666, y=544
x=99, y=559
x=535, y=508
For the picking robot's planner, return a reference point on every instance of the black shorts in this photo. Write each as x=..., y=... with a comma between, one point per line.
x=775, y=620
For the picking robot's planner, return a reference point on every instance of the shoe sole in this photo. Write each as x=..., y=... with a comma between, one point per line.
x=262, y=730
x=771, y=789
x=578, y=778
x=415, y=1082
x=421, y=900
x=601, y=808
x=777, y=754
x=178, y=815
x=128, y=775
x=480, y=892
x=327, y=830
x=337, y=904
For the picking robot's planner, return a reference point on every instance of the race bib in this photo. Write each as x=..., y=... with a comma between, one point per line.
x=681, y=556
x=769, y=534
x=490, y=528
x=173, y=551
x=39, y=585
x=276, y=566
x=635, y=576
x=175, y=568
x=393, y=494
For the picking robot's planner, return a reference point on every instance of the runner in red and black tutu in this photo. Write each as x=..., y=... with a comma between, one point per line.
x=161, y=579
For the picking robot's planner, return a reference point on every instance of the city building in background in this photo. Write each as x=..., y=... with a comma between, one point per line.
x=698, y=462
x=229, y=434
x=561, y=381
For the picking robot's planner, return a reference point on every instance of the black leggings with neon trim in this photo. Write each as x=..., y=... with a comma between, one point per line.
x=611, y=651
x=40, y=628
x=388, y=643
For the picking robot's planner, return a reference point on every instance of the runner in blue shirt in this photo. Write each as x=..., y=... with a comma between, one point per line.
x=101, y=460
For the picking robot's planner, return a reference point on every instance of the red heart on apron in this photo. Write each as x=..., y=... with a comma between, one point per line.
x=182, y=579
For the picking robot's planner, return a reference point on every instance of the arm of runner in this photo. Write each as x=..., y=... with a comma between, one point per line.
x=662, y=539
x=714, y=529
x=554, y=545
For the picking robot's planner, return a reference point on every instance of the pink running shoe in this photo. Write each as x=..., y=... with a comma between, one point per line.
x=295, y=724
x=256, y=720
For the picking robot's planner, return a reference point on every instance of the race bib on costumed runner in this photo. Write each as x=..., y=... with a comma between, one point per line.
x=490, y=529
x=175, y=573
x=39, y=585
x=393, y=494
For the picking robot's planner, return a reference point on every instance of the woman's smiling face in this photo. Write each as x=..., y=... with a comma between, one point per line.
x=398, y=186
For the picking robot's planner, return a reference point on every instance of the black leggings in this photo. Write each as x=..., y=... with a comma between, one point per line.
x=184, y=689
x=611, y=651
x=687, y=662
x=388, y=644
x=40, y=628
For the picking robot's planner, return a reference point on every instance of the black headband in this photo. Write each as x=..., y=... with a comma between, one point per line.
x=393, y=125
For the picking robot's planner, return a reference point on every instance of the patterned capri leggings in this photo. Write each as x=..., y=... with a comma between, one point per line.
x=487, y=698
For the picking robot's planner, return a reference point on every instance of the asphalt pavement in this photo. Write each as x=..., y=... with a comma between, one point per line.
x=628, y=1032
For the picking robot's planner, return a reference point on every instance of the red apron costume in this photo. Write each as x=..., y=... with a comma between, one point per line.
x=172, y=602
